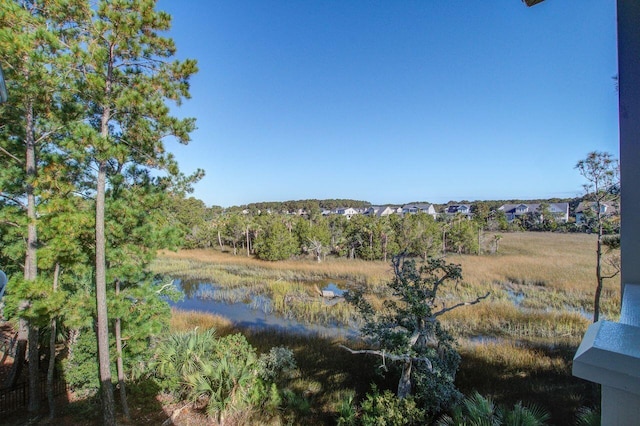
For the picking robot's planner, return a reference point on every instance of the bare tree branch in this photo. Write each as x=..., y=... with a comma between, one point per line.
x=47, y=134
x=392, y=357
x=10, y=155
x=457, y=305
x=6, y=222
x=163, y=287
x=15, y=200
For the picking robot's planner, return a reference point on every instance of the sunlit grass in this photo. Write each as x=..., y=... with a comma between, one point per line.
x=182, y=321
x=358, y=271
x=516, y=345
x=546, y=272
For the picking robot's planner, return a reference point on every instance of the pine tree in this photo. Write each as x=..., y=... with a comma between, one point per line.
x=126, y=80
x=32, y=39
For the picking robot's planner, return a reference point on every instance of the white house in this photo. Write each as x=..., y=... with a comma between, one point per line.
x=380, y=211
x=417, y=208
x=463, y=209
x=560, y=211
x=347, y=211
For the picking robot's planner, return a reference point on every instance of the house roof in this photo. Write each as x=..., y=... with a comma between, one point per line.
x=420, y=206
x=584, y=205
x=457, y=208
x=531, y=208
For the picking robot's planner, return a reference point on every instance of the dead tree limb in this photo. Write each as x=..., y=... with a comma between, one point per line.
x=458, y=305
x=393, y=357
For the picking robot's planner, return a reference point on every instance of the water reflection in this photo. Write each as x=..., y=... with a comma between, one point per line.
x=252, y=311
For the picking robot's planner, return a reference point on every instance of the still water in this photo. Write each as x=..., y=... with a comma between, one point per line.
x=253, y=311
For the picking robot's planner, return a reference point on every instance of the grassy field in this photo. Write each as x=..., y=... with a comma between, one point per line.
x=518, y=345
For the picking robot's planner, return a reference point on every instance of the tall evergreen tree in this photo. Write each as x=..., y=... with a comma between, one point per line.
x=126, y=79
x=34, y=38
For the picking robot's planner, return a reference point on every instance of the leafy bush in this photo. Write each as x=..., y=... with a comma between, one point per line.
x=347, y=413
x=79, y=368
x=296, y=402
x=386, y=409
x=226, y=384
x=180, y=355
x=588, y=416
x=481, y=411
x=222, y=374
x=275, y=243
x=278, y=362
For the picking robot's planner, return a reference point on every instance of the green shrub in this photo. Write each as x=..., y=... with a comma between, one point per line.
x=278, y=362
x=80, y=370
x=296, y=402
x=224, y=374
x=477, y=410
x=587, y=416
x=180, y=355
x=347, y=413
x=386, y=409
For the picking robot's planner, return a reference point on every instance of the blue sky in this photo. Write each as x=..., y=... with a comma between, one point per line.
x=395, y=101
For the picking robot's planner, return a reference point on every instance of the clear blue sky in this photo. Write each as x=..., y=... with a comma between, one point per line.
x=395, y=101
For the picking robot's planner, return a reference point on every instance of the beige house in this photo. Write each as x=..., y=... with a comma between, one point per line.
x=606, y=209
x=417, y=208
x=381, y=211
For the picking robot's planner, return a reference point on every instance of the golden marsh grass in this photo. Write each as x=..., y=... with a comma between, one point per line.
x=542, y=275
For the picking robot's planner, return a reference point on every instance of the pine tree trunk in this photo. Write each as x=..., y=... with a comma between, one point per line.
x=52, y=352
x=119, y=362
x=31, y=261
x=34, y=370
x=51, y=369
x=102, y=331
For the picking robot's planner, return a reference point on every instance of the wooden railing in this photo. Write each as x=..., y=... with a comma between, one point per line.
x=12, y=399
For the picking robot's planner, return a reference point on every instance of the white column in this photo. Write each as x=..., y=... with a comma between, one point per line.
x=629, y=104
x=610, y=352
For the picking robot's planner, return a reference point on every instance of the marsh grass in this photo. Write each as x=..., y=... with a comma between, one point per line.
x=356, y=271
x=541, y=285
x=183, y=321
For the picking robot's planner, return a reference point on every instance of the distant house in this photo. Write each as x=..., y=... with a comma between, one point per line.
x=463, y=209
x=417, y=208
x=606, y=210
x=348, y=212
x=560, y=211
x=380, y=211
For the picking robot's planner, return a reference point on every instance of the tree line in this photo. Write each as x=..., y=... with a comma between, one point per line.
x=278, y=235
x=282, y=236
